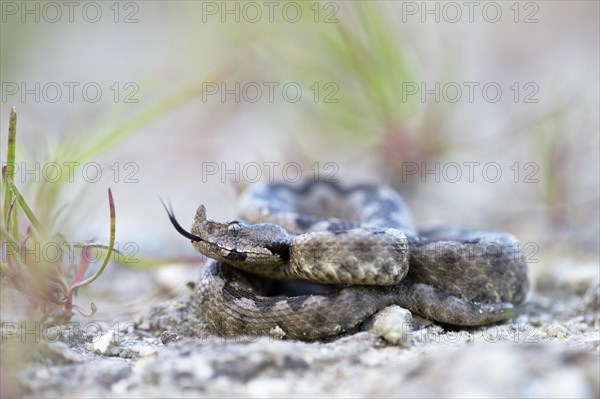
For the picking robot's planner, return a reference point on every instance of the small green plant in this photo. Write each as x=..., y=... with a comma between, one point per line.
x=357, y=72
x=49, y=284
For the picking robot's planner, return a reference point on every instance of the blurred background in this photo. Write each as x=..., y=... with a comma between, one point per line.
x=483, y=115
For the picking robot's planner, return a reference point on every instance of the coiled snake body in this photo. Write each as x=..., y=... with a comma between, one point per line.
x=359, y=238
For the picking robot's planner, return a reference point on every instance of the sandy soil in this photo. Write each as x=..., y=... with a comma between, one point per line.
x=550, y=349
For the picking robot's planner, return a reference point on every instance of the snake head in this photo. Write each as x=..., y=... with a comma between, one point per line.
x=237, y=243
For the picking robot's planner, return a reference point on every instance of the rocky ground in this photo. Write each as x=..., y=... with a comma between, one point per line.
x=550, y=349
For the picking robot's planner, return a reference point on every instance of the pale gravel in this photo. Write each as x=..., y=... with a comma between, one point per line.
x=550, y=349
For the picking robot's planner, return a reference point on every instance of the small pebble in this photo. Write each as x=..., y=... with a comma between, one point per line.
x=557, y=330
x=102, y=344
x=168, y=336
x=277, y=332
x=393, y=324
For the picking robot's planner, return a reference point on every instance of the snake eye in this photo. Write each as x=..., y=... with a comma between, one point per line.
x=234, y=227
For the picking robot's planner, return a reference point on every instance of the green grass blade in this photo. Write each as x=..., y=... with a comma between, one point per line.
x=27, y=210
x=9, y=170
x=170, y=102
x=8, y=238
x=111, y=245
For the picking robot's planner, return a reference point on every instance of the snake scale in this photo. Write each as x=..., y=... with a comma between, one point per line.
x=360, y=240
